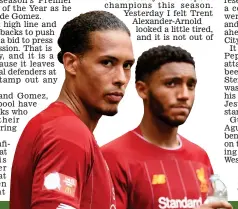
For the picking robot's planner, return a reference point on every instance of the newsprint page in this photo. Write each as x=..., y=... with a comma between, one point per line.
x=31, y=76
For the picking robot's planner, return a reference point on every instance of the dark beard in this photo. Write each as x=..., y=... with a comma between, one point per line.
x=106, y=112
x=99, y=111
x=157, y=109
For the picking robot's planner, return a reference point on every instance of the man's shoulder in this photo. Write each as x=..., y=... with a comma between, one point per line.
x=117, y=153
x=61, y=115
x=54, y=122
x=121, y=150
x=119, y=144
x=191, y=146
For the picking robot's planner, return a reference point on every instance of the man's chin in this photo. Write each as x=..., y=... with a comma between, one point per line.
x=173, y=122
x=110, y=113
x=176, y=123
x=107, y=112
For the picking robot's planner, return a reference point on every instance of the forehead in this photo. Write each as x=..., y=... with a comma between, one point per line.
x=181, y=70
x=115, y=43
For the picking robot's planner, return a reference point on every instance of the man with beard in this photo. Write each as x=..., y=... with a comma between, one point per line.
x=57, y=163
x=153, y=166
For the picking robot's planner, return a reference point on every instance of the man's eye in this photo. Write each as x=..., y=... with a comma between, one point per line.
x=127, y=66
x=170, y=84
x=107, y=63
x=191, y=85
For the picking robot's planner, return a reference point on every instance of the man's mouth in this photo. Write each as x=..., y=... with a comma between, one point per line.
x=114, y=97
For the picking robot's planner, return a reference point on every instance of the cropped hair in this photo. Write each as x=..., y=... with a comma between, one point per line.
x=74, y=36
x=152, y=59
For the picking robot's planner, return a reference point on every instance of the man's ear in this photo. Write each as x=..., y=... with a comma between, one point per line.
x=142, y=89
x=71, y=63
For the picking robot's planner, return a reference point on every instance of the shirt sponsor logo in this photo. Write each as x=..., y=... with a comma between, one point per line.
x=203, y=182
x=61, y=183
x=64, y=206
x=165, y=202
x=159, y=179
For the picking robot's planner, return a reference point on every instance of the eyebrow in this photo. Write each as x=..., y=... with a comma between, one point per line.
x=194, y=79
x=116, y=59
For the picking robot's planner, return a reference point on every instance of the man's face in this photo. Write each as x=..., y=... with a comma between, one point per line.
x=105, y=70
x=171, y=92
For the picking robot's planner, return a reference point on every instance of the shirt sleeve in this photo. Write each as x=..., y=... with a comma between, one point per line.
x=119, y=174
x=209, y=165
x=62, y=162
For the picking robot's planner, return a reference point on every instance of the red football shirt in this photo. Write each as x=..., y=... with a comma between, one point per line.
x=58, y=165
x=146, y=176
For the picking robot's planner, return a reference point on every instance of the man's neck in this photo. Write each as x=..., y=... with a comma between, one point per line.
x=159, y=133
x=84, y=112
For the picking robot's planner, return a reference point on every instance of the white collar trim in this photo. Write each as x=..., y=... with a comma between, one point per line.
x=165, y=148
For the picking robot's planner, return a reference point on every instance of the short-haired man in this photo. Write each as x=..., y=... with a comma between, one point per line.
x=153, y=166
x=58, y=164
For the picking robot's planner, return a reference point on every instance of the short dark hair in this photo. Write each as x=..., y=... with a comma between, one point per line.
x=152, y=59
x=74, y=36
